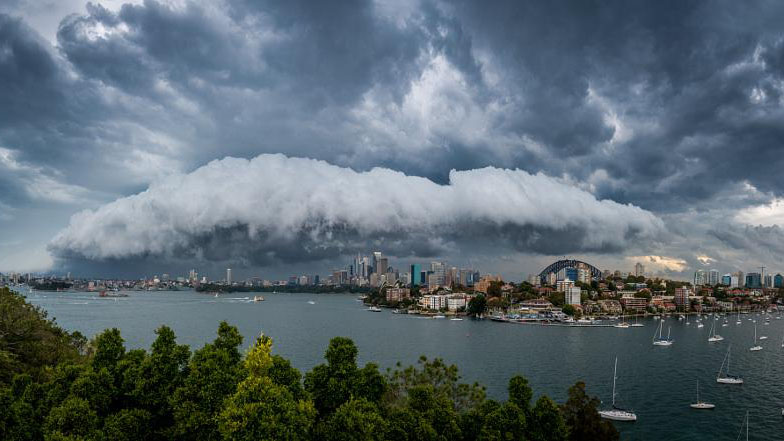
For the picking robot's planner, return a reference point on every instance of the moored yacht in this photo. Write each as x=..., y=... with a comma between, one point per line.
x=617, y=413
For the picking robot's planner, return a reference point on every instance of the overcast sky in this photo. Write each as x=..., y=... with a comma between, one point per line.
x=281, y=137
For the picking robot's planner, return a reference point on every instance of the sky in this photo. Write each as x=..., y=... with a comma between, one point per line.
x=280, y=138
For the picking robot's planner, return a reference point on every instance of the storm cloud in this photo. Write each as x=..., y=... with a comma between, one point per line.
x=275, y=209
x=673, y=107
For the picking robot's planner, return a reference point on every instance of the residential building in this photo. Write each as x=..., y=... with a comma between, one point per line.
x=397, y=294
x=634, y=304
x=572, y=295
x=639, y=269
x=562, y=285
x=681, y=298
x=699, y=277
x=713, y=277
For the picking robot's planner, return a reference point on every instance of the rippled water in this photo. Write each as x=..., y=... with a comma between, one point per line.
x=659, y=383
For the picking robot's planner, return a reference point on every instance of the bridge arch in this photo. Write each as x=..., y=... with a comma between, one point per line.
x=555, y=267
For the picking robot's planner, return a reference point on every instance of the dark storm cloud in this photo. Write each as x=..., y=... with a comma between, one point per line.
x=670, y=106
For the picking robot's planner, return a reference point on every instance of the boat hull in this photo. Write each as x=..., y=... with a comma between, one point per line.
x=618, y=415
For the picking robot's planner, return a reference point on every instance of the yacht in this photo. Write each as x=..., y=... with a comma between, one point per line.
x=258, y=298
x=756, y=347
x=456, y=319
x=616, y=413
x=728, y=378
x=701, y=404
x=439, y=316
x=712, y=336
x=372, y=309
x=636, y=324
x=621, y=325
x=661, y=341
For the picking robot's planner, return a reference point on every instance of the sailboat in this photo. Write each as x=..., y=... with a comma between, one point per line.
x=713, y=336
x=701, y=404
x=782, y=342
x=616, y=413
x=756, y=347
x=728, y=378
x=621, y=324
x=636, y=324
x=660, y=341
x=738, y=322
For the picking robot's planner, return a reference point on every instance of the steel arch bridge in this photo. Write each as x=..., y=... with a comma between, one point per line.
x=561, y=264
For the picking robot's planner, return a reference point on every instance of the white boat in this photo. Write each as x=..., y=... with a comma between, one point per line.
x=621, y=325
x=661, y=341
x=756, y=347
x=216, y=295
x=439, y=316
x=636, y=324
x=616, y=413
x=746, y=423
x=701, y=404
x=700, y=324
x=712, y=336
x=456, y=319
x=728, y=378
x=258, y=298
x=311, y=302
x=374, y=309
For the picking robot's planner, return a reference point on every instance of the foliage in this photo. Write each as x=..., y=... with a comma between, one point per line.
x=477, y=306
x=29, y=342
x=102, y=391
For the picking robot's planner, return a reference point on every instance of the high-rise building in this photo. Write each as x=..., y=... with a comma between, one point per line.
x=416, y=274
x=682, y=297
x=778, y=281
x=699, y=278
x=374, y=262
x=753, y=280
x=439, y=270
x=768, y=281
x=639, y=269
x=382, y=265
x=726, y=280
x=572, y=295
x=228, y=276
x=713, y=277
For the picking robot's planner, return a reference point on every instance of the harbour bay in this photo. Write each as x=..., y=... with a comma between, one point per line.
x=658, y=383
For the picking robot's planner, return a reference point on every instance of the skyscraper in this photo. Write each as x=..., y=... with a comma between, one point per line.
x=713, y=277
x=639, y=269
x=753, y=280
x=228, y=276
x=699, y=277
x=416, y=274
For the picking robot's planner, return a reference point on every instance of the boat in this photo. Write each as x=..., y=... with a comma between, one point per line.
x=258, y=298
x=216, y=295
x=456, y=319
x=372, y=309
x=623, y=325
x=636, y=324
x=701, y=404
x=712, y=336
x=728, y=378
x=616, y=413
x=661, y=341
x=311, y=302
x=439, y=316
x=756, y=347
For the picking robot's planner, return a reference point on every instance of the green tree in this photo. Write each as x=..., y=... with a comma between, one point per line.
x=568, y=310
x=73, y=418
x=547, y=422
x=332, y=384
x=261, y=409
x=213, y=375
x=355, y=420
x=128, y=425
x=582, y=417
x=477, y=306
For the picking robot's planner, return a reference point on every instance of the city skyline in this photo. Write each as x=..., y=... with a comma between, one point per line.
x=149, y=137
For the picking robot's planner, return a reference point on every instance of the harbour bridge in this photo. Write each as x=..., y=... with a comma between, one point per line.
x=568, y=263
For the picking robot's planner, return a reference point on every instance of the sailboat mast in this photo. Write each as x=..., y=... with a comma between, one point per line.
x=615, y=376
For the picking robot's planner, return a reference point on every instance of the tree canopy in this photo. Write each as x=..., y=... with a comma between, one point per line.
x=103, y=391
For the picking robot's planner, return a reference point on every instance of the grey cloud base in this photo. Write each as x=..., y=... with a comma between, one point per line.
x=274, y=209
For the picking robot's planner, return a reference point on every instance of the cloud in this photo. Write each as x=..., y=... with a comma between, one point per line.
x=275, y=209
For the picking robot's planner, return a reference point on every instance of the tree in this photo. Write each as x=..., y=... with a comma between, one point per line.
x=355, y=420
x=261, y=409
x=128, y=425
x=339, y=380
x=582, y=417
x=73, y=418
x=477, y=306
x=213, y=374
x=568, y=310
x=547, y=422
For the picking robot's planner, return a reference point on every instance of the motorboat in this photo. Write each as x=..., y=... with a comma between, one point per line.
x=372, y=309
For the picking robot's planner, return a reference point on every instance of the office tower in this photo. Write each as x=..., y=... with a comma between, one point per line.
x=228, y=276
x=416, y=274
x=699, y=278
x=726, y=280
x=639, y=269
x=382, y=265
x=376, y=257
x=778, y=281
x=713, y=277
x=753, y=280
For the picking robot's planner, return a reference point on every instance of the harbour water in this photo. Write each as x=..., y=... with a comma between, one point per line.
x=658, y=383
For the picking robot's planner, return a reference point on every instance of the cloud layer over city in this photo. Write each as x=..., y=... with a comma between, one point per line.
x=609, y=130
